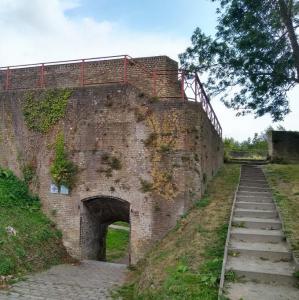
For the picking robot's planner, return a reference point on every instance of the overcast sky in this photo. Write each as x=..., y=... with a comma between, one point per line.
x=45, y=30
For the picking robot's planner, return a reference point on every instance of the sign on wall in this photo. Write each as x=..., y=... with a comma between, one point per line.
x=54, y=189
x=63, y=190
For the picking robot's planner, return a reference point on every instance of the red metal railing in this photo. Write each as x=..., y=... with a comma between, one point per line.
x=187, y=86
x=110, y=69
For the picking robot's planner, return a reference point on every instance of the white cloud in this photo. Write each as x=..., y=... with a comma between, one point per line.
x=35, y=30
x=39, y=30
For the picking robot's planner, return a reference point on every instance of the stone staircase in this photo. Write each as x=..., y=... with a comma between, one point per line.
x=259, y=263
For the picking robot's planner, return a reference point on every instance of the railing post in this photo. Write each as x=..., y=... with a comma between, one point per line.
x=125, y=69
x=82, y=73
x=183, y=85
x=42, y=74
x=196, y=88
x=7, y=79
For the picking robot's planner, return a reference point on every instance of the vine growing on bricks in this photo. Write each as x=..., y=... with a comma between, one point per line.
x=42, y=111
x=63, y=170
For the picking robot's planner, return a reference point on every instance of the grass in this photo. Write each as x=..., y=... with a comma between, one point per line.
x=117, y=243
x=187, y=263
x=37, y=243
x=284, y=179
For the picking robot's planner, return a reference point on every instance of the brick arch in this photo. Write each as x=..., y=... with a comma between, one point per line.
x=98, y=213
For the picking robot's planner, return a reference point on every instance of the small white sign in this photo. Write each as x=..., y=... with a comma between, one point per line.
x=54, y=189
x=64, y=190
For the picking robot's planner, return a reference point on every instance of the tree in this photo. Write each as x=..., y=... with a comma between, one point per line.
x=253, y=61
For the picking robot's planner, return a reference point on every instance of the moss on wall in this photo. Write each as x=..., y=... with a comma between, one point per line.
x=161, y=142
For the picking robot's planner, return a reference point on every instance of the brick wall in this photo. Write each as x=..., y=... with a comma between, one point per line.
x=284, y=146
x=139, y=72
x=114, y=119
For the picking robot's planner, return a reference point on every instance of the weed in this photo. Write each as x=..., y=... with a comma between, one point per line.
x=63, y=170
x=154, y=99
x=230, y=276
x=296, y=274
x=150, y=139
x=146, y=186
x=233, y=253
x=139, y=115
x=239, y=224
x=202, y=202
x=29, y=172
x=115, y=163
x=164, y=148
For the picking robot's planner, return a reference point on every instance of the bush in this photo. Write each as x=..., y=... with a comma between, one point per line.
x=63, y=170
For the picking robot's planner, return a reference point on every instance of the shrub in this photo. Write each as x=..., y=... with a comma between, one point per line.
x=63, y=170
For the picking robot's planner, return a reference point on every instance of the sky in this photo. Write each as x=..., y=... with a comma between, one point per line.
x=48, y=30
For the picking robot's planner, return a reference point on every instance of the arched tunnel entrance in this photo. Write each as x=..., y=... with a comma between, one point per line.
x=98, y=213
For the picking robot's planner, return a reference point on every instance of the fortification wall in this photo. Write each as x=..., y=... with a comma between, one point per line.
x=117, y=120
x=284, y=146
x=166, y=149
x=138, y=72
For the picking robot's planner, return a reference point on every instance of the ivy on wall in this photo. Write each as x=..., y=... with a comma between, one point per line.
x=63, y=170
x=43, y=111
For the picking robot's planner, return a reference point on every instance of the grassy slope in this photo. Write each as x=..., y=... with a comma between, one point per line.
x=186, y=264
x=284, y=179
x=37, y=244
x=117, y=243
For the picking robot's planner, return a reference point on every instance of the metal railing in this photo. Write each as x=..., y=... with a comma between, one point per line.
x=90, y=71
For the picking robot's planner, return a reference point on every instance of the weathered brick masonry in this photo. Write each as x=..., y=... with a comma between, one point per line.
x=284, y=146
x=116, y=120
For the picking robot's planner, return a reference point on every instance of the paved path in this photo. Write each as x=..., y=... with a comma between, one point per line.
x=119, y=227
x=91, y=280
x=258, y=254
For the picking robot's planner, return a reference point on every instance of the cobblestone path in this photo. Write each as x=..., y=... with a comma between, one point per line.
x=91, y=280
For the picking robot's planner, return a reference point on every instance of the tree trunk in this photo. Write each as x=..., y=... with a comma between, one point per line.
x=286, y=17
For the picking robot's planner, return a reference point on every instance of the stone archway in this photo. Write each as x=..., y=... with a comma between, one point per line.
x=98, y=213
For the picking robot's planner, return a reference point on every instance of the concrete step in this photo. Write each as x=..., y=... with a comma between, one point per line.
x=254, y=291
x=256, y=178
x=257, y=223
x=254, y=199
x=254, y=213
x=255, y=194
x=256, y=235
x=253, y=179
x=263, y=271
x=272, y=252
x=254, y=186
x=254, y=183
x=244, y=188
x=255, y=205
